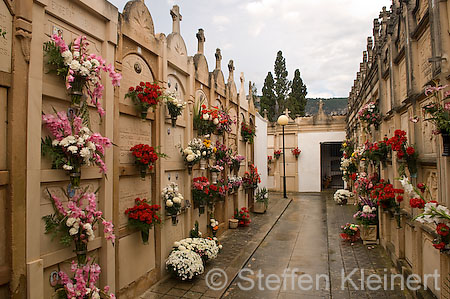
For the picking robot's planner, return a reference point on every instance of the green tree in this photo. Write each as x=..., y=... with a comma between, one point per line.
x=268, y=97
x=255, y=96
x=297, y=97
x=282, y=84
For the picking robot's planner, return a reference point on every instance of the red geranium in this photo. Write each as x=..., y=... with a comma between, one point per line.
x=410, y=150
x=143, y=212
x=417, y=203
x=147, y=94
x=144, y=155
x=439, y=246
x=421, y=187
x=243, y=216
x=442, y=229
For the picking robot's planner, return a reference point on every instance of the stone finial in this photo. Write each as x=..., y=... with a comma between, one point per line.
x=218, y=59
x=176, y=18
x=364, y=56
x=201, y=41
x=265, y=114
x=231, y=70
x=286, y=112
x=369, y=43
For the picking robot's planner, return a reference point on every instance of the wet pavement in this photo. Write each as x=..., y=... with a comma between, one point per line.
x=292, y=251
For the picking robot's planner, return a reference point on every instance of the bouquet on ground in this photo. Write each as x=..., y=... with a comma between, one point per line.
x=342, y=196
x=235, y=181
x=296, y=152
x=205, y=248
x=243, y=216
x=248, y=132
x=350, y=232
x=145, y=157
x=174, y=106
x=195, y=232
x=172, y=199
x=184, y=264
x=206, y=120
x=83, y=283
x=370, y=115
x=76, y=222
x=225, y=122
x=142, y=216
x=79, y=69
x=236, y=160
x=222, y=154
x=251, y=179
x=144, y=96
x=73, y=145
x=262, y=195
x=277, y=154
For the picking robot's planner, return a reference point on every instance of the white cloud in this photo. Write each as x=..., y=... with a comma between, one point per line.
x=220, y=20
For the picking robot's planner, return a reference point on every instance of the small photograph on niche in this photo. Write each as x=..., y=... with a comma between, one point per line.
x=54, y=278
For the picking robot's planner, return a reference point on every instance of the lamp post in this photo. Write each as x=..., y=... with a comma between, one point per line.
x=283, y=121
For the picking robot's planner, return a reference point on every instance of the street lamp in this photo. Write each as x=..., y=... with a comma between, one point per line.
x=282, y=121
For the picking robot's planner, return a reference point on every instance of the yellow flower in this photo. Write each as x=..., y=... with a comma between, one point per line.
x=214, y=149
x=344, y=144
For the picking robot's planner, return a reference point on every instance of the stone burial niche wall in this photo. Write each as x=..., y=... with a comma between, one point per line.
x=128, y=42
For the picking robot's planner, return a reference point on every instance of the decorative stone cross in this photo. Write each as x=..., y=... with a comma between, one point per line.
x=286, y=112
x=201, y=41
x=231, y=69
x=176, y=18
x=218, y=59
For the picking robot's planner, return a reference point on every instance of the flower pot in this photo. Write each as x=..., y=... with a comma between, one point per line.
x=174, y=220
x=233, y=223
x=143, y=171
x=446, y=144
x=173, y=119
x=214, y=176
x=369, y=234
x=75, y=177
x=144, y=235
x=202, y=164
x=259, y=207
x=144, y=115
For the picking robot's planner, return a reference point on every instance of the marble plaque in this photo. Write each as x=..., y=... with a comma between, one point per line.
x=132, y=131
x=424, y=53
x=134, y=70
x=130, y=188
x=6, y=41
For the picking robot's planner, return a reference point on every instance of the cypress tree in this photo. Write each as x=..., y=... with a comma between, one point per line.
x=297, y=97
x=282, y=84
x=268, y=100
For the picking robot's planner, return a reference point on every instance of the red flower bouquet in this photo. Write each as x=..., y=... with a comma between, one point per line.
x=144, y=96
x=277, y=154
x=142, y=217
x=386, y=195
x=350, y=232
x=247, y=132
x=269, y=159
x=404, y=151
x=201, y=193
x=296, y=152
x=243, y=216
x=145, y=156
x=251, y=179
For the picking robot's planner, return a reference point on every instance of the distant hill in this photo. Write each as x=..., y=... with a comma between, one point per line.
x=335, y=106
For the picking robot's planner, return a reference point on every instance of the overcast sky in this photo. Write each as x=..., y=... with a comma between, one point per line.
x=322, y=38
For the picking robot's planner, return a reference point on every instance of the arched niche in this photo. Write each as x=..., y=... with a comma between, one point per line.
x=218, y=104
x=174, y=85
x=134, y=70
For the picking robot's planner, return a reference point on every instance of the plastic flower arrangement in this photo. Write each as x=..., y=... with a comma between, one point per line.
x=236, y=160
x=184, y=264
x=341, y=196
x=76, y=222
x=201, y=193
x=195, y=232
x=262, y=195
x=214, y=224
x=243, y=216
x=206, y=150
x=219, y=191
x=225, y=122
x=370, y=115
x=365, y=184
x=251, y=179
x=216, y=168
x=79, y=69
x=269, y=159
x=235, y=181
x=73, y=145
x=350, y=232
x=172, y=199
x=142, y=216
x=195, y=151
x=386, y=195
x=277, y=154
x=248, y=132
x=296, y=152
x=378, y=151
x=438, y=111
x=347, y=148
x=174, y=106
x=145, y=157
x=367, y=215
x=349, y=168
x=206, y=120
x=206, y=249
x=222, y=154
x=404, y=151
x=83, y=283
x=144, y=96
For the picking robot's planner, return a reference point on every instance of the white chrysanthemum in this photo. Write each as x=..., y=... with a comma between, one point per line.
x=185, y=264
x=73, y=149
x=70, y=221
x=87, y=64
x=75, y=65
x=84, y=71
x=95, y=63
x=85, y=152
x=177, y=200
x=67, y=167
x=55, y=142
x=169, y=203
x=73, y=231
x=205, y=116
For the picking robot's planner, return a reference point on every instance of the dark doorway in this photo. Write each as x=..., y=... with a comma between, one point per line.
x=330, y=164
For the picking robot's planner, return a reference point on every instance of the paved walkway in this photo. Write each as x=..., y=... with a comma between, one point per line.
x=304, y=242
x=238, y=246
